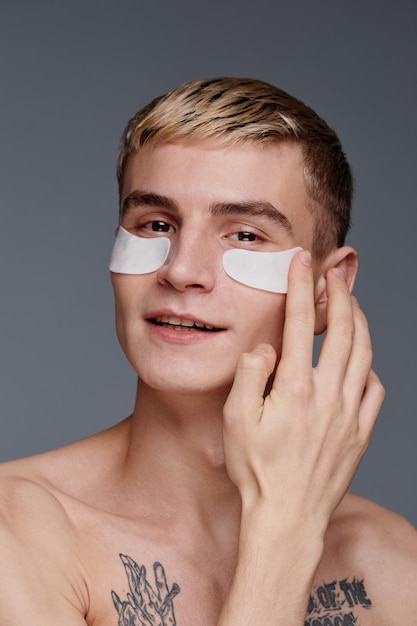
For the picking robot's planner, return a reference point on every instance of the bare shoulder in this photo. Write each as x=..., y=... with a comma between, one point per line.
x=65, y=470
x=42, y=550
x=375, y=531
x=380, y=547
x=27, y=488
x=42, y=493
x=38, y=564
x=30, y=515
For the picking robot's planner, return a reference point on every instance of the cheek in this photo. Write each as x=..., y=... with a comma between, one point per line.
x=274, y=327
x=263, y=316
x=123, y=289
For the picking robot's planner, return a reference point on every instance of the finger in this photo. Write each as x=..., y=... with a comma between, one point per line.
x=130, y=615
x=133, y=574
x=338, y=341
x=166, y=609
x=372, y=401
x=245, y=400
x=160, y=581
x=118, y=604
x=360, y=361
x=298, y=335
x=149, y=596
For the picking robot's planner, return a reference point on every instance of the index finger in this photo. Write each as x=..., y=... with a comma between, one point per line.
x=298, y=335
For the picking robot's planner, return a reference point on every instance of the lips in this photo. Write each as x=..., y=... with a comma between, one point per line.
x=182, y=324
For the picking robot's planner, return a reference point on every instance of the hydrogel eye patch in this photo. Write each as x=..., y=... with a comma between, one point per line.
x=138, y=255
x=262, y=270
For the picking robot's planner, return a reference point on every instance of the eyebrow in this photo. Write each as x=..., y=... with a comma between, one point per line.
x=255, y=208
x=146, y=198
x=252, y=208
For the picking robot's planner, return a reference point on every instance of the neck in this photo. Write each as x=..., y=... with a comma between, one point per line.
x=176, y=444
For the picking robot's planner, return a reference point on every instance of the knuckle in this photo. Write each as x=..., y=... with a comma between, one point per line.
x=360, y=317
x=252, y=361
x=300, y=387
x=302, y=315
x=379, y=388
x=382, y=392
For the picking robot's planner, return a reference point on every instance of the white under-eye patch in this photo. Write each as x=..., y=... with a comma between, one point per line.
x=262, y=270
x=138, y=255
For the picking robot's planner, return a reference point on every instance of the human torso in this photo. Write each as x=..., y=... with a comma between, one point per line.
x=150, y=569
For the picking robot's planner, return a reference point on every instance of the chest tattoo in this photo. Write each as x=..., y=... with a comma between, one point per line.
x=332, y=604
x=145, y=605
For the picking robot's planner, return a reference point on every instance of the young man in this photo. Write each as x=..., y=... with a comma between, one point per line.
x=222, y=500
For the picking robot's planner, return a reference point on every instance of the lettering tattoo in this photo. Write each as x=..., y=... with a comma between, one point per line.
x=144, y=605
x=331, y=603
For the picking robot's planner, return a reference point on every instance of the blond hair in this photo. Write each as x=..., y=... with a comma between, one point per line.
x=233, y=110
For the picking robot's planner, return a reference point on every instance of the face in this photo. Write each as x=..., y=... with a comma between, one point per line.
x=184, y=326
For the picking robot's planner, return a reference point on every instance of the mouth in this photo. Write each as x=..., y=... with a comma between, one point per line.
x=182, y=324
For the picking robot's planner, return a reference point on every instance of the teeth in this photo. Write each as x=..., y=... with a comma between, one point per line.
x=187, y=323
x=179, y=321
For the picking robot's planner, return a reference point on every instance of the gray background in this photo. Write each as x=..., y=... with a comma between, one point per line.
x=72, y=73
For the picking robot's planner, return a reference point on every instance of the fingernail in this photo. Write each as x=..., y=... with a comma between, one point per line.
x=355, y=301
x=339, y=273
x=305, y=257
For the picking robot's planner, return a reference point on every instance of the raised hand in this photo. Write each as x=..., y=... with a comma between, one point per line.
x=297, y=449
x=292, y=452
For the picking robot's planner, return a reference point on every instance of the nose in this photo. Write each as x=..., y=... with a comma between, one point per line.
x=190, y=264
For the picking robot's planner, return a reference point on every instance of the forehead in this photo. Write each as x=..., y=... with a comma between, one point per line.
x=196, y=176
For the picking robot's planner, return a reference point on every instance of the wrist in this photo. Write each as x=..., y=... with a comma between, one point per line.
x=277, y=560
x=297, y=540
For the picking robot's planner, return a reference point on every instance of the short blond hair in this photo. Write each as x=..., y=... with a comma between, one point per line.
x=233, y=110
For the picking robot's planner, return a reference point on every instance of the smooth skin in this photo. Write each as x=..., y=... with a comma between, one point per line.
x=311, y=440
x=230, y=477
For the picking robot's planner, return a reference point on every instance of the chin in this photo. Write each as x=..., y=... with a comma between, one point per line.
x=187, y=383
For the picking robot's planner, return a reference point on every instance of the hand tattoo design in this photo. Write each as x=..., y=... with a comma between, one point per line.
x=145, y=606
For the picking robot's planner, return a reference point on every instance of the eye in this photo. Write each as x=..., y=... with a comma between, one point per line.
x=158, y=226
x=245, y=236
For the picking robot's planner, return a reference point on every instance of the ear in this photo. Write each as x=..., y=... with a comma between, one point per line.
x=347, y=259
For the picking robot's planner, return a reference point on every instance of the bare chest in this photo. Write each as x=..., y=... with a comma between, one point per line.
x=137, y=582
x=144, y=573
x=167, y=593
x=148, y=578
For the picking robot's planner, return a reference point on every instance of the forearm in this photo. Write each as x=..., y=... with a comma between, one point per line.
x=274, y=573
